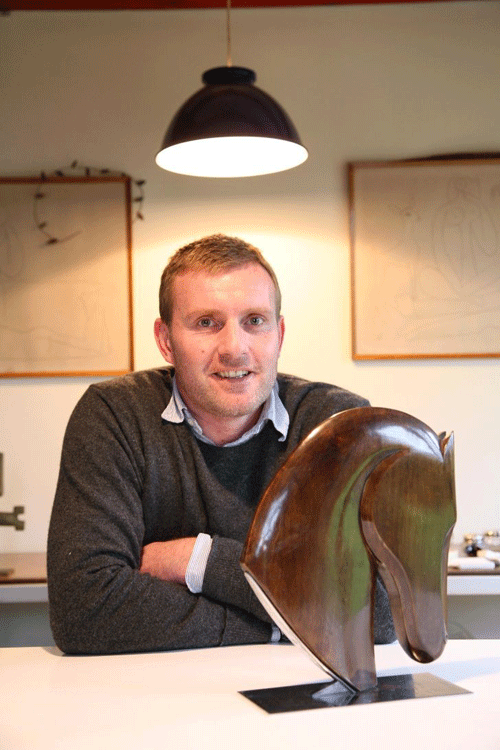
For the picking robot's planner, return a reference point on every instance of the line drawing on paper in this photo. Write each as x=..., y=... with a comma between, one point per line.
x=64, y=305
x=426, y=261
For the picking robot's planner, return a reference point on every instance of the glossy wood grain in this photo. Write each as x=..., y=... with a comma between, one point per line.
x=369, y=490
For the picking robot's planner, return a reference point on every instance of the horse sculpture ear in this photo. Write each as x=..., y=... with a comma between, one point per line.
x=447, y=444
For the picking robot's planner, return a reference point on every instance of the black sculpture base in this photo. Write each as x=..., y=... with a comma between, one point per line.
x=334, y=694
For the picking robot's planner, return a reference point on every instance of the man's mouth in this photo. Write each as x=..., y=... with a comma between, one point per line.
x=232, y=374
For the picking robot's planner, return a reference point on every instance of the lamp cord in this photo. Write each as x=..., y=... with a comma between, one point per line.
x=228, y=20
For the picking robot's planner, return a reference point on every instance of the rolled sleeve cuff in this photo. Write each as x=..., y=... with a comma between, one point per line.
x=197, y=564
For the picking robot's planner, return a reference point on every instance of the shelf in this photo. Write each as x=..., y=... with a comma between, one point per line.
x=23, y=567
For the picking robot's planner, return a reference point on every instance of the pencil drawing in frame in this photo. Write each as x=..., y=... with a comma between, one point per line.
x=65, y=276
x=425, y=258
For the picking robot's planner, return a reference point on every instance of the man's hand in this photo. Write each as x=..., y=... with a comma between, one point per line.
x=168, y=560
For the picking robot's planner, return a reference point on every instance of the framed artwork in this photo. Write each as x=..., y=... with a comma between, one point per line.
x=425, y=258
x=65, y=276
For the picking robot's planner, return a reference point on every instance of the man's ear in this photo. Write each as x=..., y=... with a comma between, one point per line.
x=281, y=328
x=162, y=339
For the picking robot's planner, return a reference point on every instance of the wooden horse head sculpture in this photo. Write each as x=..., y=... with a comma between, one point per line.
x=369, y=490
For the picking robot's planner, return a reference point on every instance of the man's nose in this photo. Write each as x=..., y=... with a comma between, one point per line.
x=232, y=341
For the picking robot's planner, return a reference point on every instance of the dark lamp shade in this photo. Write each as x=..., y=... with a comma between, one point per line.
x=230, y=128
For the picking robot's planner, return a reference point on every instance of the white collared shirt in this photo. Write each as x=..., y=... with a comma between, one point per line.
x=273, y=410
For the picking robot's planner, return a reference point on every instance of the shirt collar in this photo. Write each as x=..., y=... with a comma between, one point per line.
x=273, y=411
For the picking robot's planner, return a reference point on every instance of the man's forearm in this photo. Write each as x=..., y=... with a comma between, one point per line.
x=224, y=581
x=168, y=560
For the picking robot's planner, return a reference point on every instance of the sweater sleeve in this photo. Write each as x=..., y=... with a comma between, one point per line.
x=222, y=579
x=99, y=600
x=225, y=581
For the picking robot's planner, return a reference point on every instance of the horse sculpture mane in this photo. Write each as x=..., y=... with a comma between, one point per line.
x=370, y=490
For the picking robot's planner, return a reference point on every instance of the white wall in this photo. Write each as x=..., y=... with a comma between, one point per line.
x=360, y=82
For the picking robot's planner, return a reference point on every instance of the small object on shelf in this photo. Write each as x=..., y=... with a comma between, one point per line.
x=491, y=555
x=474, y=543
x=12, y=518
x=465, y=563
x=492, y=540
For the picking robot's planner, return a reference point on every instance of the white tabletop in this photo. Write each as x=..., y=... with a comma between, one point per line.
x=190, y=700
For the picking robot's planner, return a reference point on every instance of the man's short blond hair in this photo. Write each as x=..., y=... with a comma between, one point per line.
x=214, y=255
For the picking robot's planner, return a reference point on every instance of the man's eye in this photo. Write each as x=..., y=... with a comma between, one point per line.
x=205, y=322
x=256, y=320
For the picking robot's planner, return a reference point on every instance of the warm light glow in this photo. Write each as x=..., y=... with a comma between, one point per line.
x=236, y=156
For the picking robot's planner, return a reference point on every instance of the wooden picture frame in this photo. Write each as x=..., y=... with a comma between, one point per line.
x=425, y=258
x=65, y=276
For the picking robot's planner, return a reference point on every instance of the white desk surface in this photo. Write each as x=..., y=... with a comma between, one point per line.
x=189, y=700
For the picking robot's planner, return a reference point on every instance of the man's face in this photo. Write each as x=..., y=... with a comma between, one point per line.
x=224, y=341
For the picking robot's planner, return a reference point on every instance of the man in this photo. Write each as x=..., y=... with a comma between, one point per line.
x=161, y=470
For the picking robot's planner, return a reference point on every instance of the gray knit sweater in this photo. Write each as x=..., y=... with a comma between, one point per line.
x=128, y=478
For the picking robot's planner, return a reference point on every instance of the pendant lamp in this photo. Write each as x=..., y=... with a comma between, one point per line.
x=230, y=128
